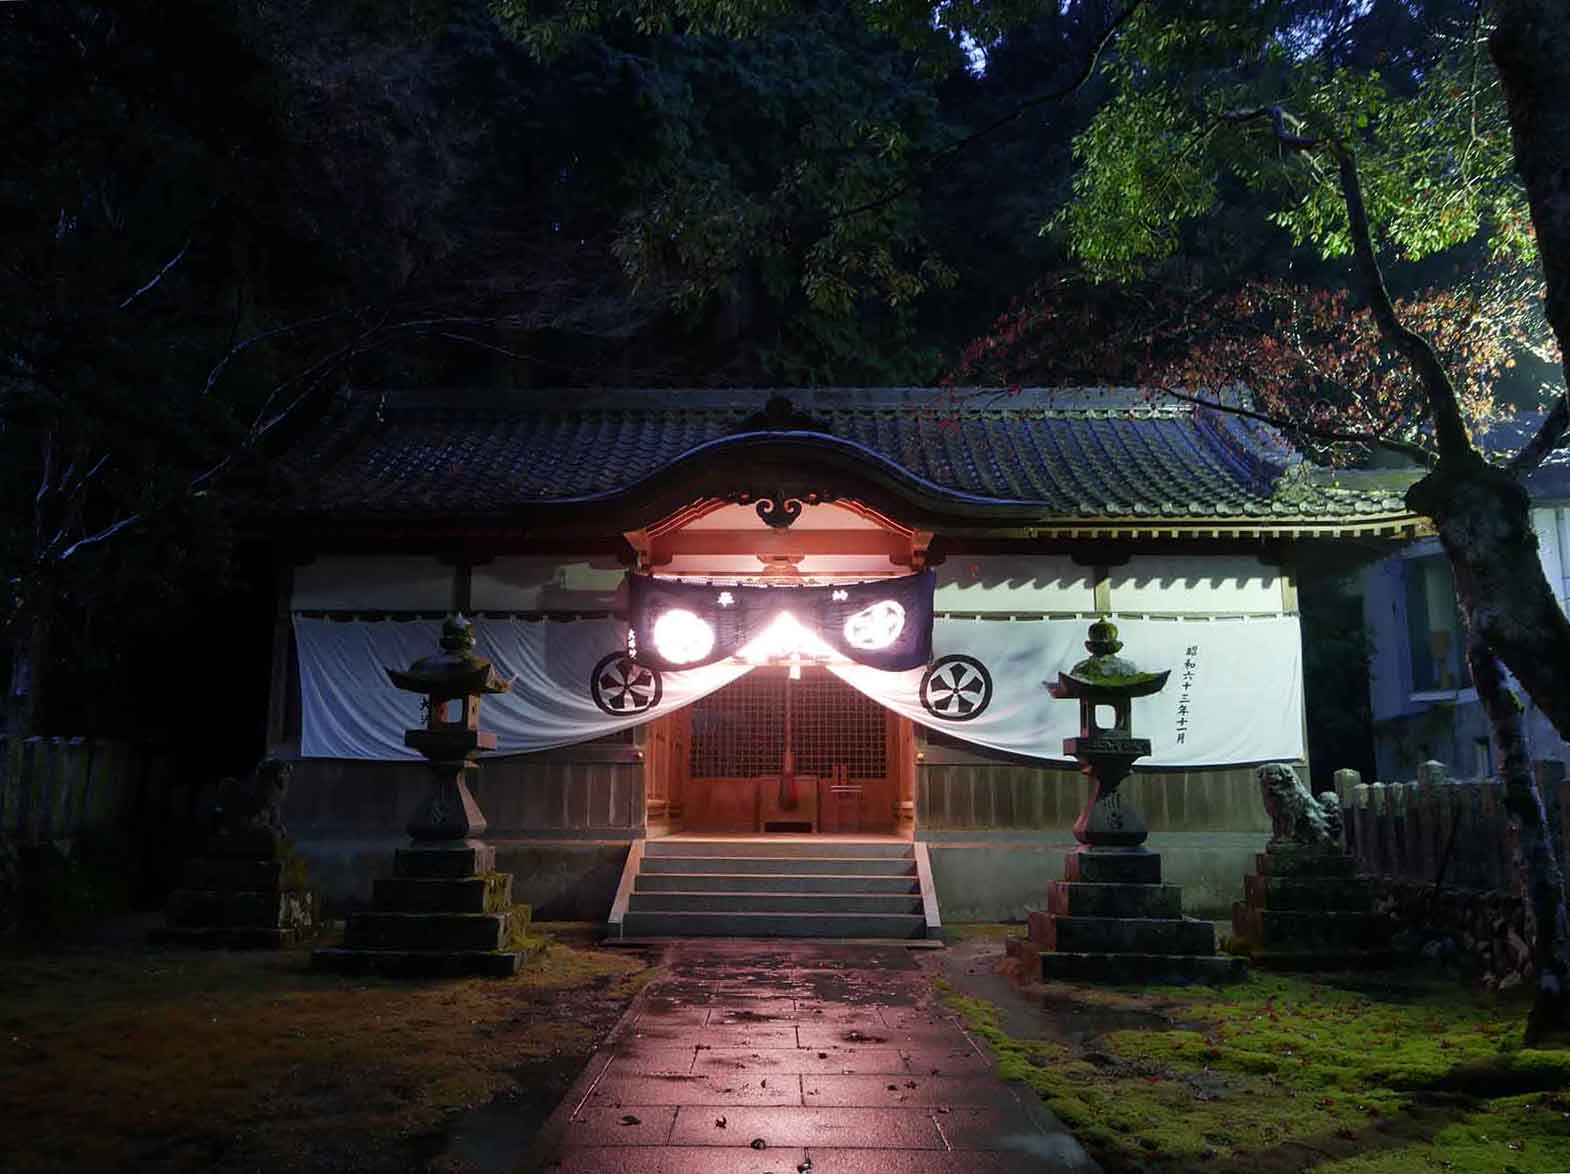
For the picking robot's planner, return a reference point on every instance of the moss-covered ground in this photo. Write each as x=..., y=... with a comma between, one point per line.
x=1337, y=1074
x=135, y=1058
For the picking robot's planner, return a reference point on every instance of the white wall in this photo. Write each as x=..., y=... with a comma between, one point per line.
x=1553, y=548
x=550, y=583
x=1013, y=583
x=1226, y=584
x=376, y=583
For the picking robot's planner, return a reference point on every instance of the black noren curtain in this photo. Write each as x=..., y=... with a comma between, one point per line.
x=885, y=624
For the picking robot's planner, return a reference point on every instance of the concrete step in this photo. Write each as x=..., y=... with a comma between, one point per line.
x=818, y=847
x=775, y=903
x=772, y=882
x=840, y=865
x=774, y=925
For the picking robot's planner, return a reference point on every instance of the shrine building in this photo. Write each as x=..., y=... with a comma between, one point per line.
x=811, y=622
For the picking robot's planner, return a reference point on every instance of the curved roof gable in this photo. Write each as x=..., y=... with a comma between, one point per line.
x=1080, y=454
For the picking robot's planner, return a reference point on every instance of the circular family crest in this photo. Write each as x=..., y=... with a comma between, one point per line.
x=956, y=688
x=620, y=686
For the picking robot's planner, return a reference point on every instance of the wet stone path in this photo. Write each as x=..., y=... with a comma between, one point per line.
x=795, y=1057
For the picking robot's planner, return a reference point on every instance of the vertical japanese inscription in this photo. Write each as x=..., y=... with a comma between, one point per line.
x=1190, y=670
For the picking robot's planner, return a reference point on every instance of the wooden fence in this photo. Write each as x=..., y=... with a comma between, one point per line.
x=59, y=788
x=1442, y=831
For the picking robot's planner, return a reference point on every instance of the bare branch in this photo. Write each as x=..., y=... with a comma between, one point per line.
x=1455, y=446
x=160, y=275
x=1406, y=448
x=1278, y=119
x=246, y=344
x=103, y=535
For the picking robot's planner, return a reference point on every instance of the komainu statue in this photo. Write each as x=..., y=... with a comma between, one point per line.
x=1296, y=817
x=250, y=810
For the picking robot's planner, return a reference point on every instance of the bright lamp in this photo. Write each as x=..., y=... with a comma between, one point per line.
x=682, y=637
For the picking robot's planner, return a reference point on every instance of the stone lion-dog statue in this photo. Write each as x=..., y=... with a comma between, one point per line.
x=1296, y=816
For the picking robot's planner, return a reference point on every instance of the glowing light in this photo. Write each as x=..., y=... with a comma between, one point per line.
x=681, y=637
x=875, y=626
x=785, y=640
x=726, y=599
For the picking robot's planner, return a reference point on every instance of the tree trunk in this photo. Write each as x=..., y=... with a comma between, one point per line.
x=1542, y=878
x=1484, y=520
x=1531, y=50
x=29, y=656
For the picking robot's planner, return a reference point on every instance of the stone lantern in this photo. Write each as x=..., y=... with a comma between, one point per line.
x=1111, y=919
x=445, y=910
x=1106, y=754
x=452, y=683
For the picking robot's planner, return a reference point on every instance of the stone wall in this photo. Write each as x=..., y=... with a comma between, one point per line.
x=1441, y=854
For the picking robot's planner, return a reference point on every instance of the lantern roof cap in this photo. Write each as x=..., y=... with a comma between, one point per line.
x=1104, y=675
x=456, y=671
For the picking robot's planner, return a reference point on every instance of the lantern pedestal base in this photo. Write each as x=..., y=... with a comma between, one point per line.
x=1113, y=921
x=1304, y=909
x=247, y=893
x=444, y=912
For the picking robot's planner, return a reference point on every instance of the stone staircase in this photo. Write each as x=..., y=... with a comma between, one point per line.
x=753, y=887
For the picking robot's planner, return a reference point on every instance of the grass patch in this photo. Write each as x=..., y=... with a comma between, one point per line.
x=189, y=1060
x=1290, y=1073
x=966, y=931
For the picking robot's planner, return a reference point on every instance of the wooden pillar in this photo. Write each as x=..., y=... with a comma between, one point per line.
x=282, y=677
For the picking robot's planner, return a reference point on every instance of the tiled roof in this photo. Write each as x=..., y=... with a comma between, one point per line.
x=1066, y=454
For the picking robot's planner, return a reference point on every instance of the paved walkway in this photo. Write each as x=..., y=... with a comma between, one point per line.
x=772, y=1057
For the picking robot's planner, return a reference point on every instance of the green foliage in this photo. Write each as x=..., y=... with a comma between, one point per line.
x=763, y=149
x=1192, y=96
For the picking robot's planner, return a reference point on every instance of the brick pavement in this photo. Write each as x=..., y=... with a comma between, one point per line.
x=796, y=1057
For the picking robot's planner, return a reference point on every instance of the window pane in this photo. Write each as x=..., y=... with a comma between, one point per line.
x=1433, y=626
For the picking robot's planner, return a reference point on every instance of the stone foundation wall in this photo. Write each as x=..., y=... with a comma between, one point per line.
x=1440, y=853
x=1484, y=934
x=966, y=789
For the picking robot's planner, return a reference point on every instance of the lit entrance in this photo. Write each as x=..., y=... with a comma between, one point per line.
x=777, y=755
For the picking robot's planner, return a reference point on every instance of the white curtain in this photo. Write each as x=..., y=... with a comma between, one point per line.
x=1235, y=695
x=1236, y=698
x=349, y=709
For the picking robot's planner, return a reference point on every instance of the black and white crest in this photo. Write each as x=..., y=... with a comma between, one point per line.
x=956, y=688
x=621, y=687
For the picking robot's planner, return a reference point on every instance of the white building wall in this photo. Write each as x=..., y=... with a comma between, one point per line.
x=373, y=583
x=1220, y=584
x=1006, y=584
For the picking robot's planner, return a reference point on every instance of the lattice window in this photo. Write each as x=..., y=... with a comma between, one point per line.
x=739, y=731
x=832, y=724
